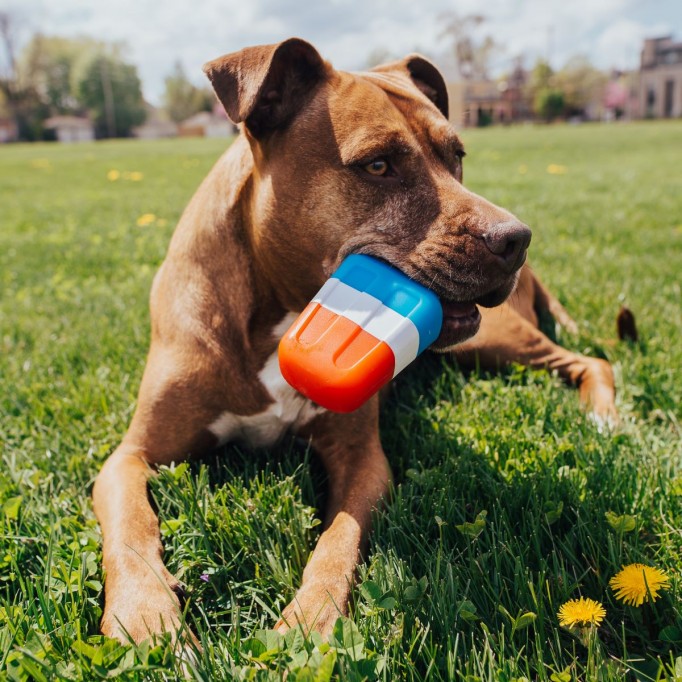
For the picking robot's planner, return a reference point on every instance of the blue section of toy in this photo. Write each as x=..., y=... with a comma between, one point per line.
x=396, y=291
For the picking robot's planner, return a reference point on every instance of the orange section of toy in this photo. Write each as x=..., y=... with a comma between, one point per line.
x=333, y=361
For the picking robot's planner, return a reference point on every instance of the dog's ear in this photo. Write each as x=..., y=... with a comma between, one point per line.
x=265, y=85
x=425, y=76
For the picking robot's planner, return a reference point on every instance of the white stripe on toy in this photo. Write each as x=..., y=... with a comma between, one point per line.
x=377, y=319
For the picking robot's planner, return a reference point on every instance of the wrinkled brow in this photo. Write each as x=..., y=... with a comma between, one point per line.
x=445, y=138
x=364, y=145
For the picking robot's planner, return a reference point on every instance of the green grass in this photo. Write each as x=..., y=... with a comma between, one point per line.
x=443, y=597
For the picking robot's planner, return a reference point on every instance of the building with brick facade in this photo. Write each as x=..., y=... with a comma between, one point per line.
x=660, y=79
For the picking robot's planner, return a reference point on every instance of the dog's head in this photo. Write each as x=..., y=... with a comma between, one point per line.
x=364, y=163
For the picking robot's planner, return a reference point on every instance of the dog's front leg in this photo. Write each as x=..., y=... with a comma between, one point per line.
x=506, y=336
x=140, y=593
x=359, y=476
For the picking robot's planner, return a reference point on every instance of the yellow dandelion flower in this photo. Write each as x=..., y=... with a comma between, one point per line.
x=41, y=163
x=113, y=175
x=146, y=219
x=556, y=169
x=581, y=612
x=523, y=169
x=634, y=583
x=136, y=176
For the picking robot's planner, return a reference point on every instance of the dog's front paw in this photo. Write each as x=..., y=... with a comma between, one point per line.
x=605, y=422
x=316, y=606
x=141, y=609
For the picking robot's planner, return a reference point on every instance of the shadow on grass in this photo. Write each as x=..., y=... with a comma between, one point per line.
x=239, y=525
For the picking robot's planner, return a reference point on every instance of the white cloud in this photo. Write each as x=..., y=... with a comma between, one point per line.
x=620, y=43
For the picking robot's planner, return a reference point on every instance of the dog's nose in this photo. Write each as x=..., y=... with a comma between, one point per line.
x=508, y=241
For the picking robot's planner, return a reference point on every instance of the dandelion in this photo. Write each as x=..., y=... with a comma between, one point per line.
x=136, y=176
x=581, y=612
x=146, y=219
x=636, y=582
x=556, y=169
x=523, y=169
x=113, y=175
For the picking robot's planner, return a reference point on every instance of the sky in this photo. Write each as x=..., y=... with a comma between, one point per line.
x=158, y=33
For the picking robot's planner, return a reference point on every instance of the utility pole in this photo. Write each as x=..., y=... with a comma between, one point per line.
x=109, y=111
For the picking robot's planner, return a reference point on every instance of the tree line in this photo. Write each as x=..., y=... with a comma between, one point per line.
x=567, y=92
x=57, y=76
x=550, y=94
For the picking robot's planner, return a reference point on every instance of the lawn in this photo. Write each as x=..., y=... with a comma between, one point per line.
x=508, y=500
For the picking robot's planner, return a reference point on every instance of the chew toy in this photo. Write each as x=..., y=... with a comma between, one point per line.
x=366, y=324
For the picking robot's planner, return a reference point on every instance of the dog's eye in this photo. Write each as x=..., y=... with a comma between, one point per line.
x=377, y=167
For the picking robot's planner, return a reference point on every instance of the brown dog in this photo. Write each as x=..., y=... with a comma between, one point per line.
x=328, y=163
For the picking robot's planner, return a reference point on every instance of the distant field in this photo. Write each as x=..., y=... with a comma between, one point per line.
x=82, y=231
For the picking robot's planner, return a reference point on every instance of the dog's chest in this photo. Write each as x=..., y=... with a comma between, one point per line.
x=289, y=408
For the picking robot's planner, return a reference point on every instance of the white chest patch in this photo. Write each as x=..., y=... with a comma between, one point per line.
x=288, y=409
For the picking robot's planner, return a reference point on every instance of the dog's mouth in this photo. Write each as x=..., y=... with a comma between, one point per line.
x=460, y=322
x=461, y=319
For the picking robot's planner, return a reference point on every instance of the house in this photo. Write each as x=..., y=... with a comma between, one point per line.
x=660, y=83
x=208, y=124
x=476, y=103
x=8, y=130
x=481, y=103
x=157, y=125
x=71, y=128
x=514, y=92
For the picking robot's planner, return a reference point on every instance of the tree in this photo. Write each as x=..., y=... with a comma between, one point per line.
x=541, y=76
x=547, y=99
x=55, y=75
x=568, y=92
x=18, y=94
x=581, y=84
x=111, y=91
x=548, y=103
x=51, y=63
x=7, y=36
x=472, y=57
x=182, y=98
